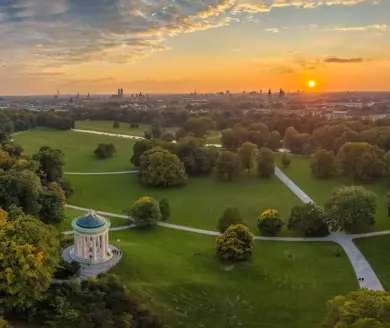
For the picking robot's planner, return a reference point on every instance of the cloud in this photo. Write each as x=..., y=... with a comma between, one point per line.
x=336, y=60
x=236, y=50
x=272, y=30
x=381, y=27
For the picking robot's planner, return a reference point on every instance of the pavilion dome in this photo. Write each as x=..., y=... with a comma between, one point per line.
x=91, y=221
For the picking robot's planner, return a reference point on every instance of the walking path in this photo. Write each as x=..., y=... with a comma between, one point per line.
x=100, y=173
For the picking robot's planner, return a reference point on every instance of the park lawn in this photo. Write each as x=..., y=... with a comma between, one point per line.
x=376, y=250
x=124, y=128
x=321, y=189
x=197, y=204
x=179, y=271
x=79, y=149
x=71, y=213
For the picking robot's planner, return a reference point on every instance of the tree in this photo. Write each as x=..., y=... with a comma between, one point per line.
x=115, y=125
x=168, y=137
x=51, y=162
x=4, y=323
x=229, y=217
x=236, y=243
x=361, y=161
x=20, y=188
x=165, y=208
x=180, y=134
x=323, y=164
x=246, y=155
x=156, y=129
x=289, y=137
x=6, y=161
x=29, y=258
x=145, y=212
x=162, y=169
x=350, y=207
x=52, y=201
x=139, y=148
x=274, y=140
x=362, y=308
x=285, y=159
x=198, y=126
x=308, y=220
x=105, y=150
x=228, y=165
x=265, y=163
x=270, y=222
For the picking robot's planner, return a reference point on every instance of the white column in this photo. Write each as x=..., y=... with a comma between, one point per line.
x=106, y=242
x=83, y=246
x=102, y=247
x=75, y=243
x=94, y=248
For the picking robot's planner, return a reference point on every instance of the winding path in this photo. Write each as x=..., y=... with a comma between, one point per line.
x=361, y=266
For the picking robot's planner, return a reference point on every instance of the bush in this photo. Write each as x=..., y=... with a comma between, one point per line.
x=165, y=208
x=134, y=125
x=286, y=159
x=169, y=137
x=265, y=163
x=115, y=125
x=105, y=150
x=229, y=217
x=236, y=243
x=66, y=270
x=145, y=212
x=308, y=220
x=270, y=222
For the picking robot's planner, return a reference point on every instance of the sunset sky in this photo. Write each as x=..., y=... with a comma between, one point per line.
x=163, y=46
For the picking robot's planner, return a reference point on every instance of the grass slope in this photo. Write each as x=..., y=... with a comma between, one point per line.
x=320, y=189
x=271, y=290
x=79, y=149
x=197, y=204
x=376, y=250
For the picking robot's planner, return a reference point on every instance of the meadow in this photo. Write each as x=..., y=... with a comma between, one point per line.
x=79, y=149
x=321, y=189
x=179, y=270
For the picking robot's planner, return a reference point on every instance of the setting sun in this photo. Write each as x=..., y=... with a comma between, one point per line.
x=312, y=84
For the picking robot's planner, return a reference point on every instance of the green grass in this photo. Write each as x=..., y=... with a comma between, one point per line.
x=197, y=204
x=376, y=250
x=321, y=189
x=124, y=128
x=79, y=149
x=271, y=290
x=71, y=213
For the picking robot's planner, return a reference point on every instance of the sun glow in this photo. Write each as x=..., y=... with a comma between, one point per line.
x=312, y=84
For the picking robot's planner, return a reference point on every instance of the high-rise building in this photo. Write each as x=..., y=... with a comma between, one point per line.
x=121, y=92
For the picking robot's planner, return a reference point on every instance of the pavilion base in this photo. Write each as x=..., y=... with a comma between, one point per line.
x=97, y=260
x=93, y=268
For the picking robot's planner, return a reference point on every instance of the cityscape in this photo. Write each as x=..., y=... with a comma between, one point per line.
x=197, y=164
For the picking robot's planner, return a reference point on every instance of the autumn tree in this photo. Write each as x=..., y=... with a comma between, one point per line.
x=29, y=258
x=236, y=243
x=145, y=212
x=265, y=163
x=228, y=165
x=350, y=207
x=323, y=164
x=363, y=308
x=246, y=153
x=51, y=163
x=270, y=222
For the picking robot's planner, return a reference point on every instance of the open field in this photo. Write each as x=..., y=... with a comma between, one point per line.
x=376, y=250
x=79, y=149
x=197, y=204
x=320, y=189
x=213, y=137
x=71, y=213
x=271, y=290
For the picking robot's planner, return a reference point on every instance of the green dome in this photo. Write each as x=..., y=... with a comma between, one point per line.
x=91, y=220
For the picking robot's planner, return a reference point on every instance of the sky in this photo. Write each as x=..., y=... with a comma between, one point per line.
x=176, y=46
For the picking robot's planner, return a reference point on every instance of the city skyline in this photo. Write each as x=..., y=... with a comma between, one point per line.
x=179, y=46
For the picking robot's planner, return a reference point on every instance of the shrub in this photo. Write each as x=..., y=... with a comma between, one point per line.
x=236, y=243
x=165, y=208
x=308, y=220
x=105, y=150
x=145, y=212
x=169, y=137
x=229, y=217
x=286, y=159
x=134, y=125
x=115, y=125
x=270, y=222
